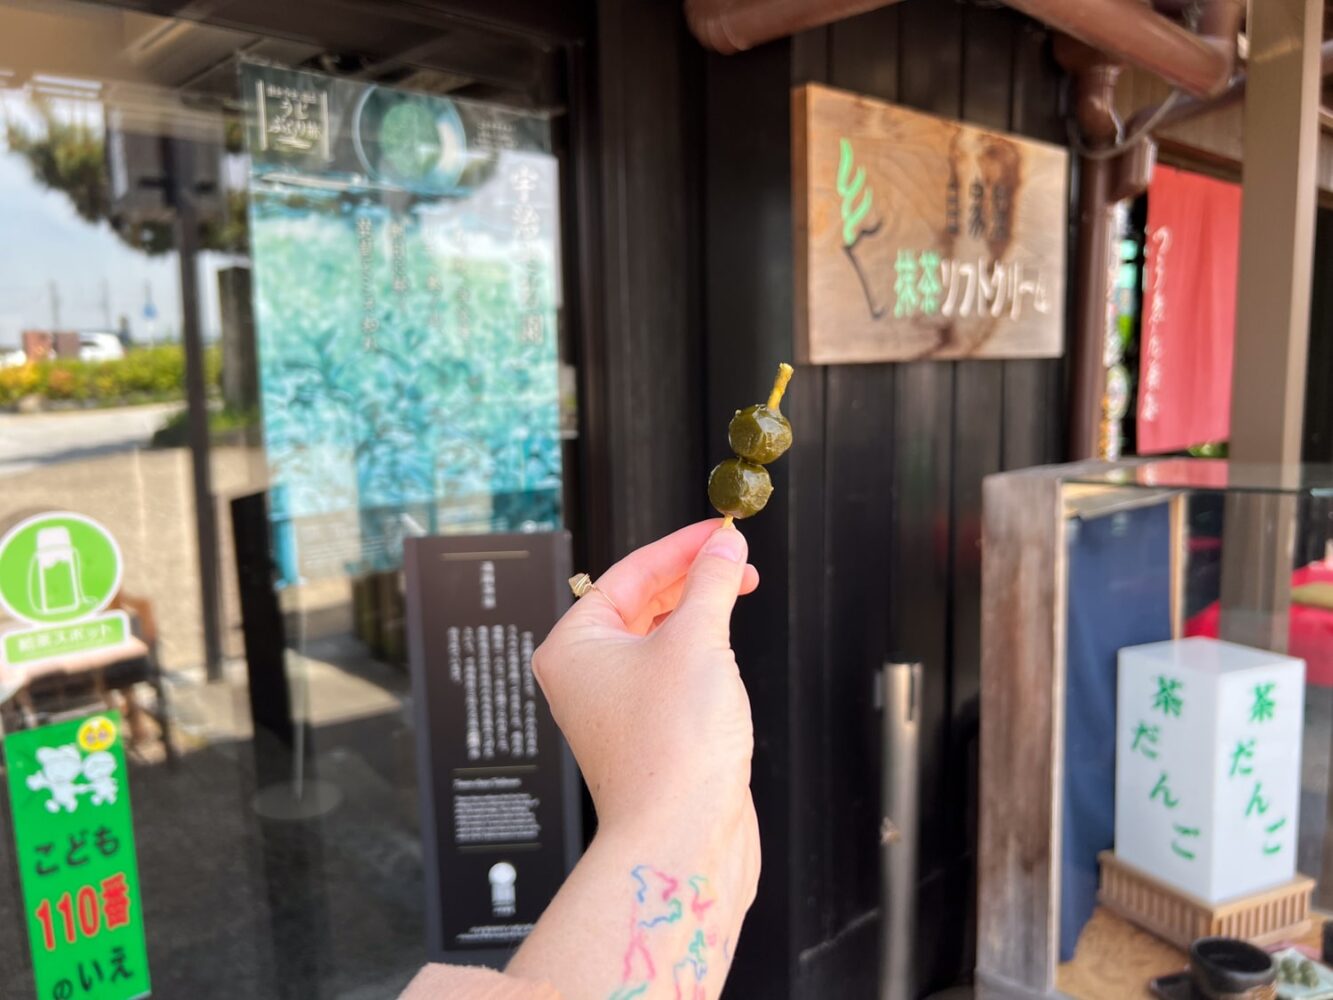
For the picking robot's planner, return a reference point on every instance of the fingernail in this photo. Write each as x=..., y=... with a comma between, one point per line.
x=726, y=543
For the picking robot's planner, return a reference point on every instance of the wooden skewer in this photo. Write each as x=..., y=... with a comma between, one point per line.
x=728, y=521
x=780, y=385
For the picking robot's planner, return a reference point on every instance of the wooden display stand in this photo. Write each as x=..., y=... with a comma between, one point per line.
x=1278, y=914
x=1116, y=960
x=1021, y=781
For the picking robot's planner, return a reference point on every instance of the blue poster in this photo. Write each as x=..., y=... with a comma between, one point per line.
x=406, y=291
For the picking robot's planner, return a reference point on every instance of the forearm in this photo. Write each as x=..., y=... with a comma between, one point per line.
x=643, y=917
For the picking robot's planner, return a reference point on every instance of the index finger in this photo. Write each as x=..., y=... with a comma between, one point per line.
x=632, y=583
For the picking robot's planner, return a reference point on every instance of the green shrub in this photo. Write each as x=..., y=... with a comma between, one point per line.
x=222, y=424
x=213, y=368
x=20, y=381
x=154, y=372
x=145, y=374
x=67, y=380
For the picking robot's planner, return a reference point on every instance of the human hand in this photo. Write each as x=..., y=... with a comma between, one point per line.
x=653, y=705
x=655, y=712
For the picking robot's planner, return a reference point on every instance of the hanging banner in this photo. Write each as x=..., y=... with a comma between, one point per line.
x=918, y=237
x=406, y=293
x=74, y=841
x=1189, y=311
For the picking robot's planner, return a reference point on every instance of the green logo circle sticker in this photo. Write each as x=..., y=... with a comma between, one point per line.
x=58, y=567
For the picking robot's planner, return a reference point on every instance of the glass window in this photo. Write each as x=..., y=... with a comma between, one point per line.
x=1198, y=722
x=265, y=311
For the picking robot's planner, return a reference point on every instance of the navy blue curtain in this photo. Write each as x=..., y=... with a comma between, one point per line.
x=1119, y=595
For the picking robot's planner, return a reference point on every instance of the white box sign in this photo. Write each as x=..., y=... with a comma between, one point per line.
x=1208, y=764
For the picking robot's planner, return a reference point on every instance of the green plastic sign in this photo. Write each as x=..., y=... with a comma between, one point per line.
x=74, y=840
x=57, y=572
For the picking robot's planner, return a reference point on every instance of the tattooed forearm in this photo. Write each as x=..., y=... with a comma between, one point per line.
x=671, y=939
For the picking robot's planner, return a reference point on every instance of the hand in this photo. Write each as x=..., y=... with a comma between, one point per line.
x=655, y=712
x=652, y=704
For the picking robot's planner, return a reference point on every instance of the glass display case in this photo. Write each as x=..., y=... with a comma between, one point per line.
x=1157, y=721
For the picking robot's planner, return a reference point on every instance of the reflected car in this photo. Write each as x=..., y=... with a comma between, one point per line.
x=100, y=347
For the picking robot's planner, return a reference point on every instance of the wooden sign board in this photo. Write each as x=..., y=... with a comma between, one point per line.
x=919, y=237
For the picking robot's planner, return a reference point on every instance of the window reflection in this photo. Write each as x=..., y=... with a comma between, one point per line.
x=269, y=749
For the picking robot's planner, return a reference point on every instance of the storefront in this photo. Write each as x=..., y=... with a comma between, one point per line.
x=283, y=288
x=305, y=306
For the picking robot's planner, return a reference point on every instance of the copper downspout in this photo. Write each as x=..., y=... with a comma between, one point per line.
x=1198, y=64
x=1095, y=75
x=731, y=26
x=1203, y=66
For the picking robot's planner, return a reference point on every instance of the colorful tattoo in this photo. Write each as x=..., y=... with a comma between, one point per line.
x=699, y=905
x=657, y=906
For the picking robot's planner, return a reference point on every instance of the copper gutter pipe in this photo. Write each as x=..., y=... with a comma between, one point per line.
x=1194, y=107
x=731, y=26
x=1125, y=29
x=1198, y=64
x=1095, y=75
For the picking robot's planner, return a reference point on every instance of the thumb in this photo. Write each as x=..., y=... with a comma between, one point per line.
x=711, y=589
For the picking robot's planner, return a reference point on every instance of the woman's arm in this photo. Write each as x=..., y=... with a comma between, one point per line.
x=659, y=722
x=649, y=916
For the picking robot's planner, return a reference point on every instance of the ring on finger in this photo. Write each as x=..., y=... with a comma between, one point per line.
x=581, y=584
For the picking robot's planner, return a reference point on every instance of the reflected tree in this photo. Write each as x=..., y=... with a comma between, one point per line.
x=69, y=155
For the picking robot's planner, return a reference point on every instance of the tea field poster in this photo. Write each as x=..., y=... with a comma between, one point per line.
x=406, y=291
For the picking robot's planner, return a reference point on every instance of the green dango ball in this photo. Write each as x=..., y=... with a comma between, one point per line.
x=759, y=433
x=738, y=488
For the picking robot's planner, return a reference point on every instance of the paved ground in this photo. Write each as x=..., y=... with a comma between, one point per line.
x=28, y=441
x=236, y=905
x=145, y=498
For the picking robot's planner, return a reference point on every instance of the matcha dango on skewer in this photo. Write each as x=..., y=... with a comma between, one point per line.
x=759, y=434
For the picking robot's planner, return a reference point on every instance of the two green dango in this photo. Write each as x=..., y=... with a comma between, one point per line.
x=759, y=434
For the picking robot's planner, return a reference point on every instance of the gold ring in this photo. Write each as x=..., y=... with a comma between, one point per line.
x=581, y=583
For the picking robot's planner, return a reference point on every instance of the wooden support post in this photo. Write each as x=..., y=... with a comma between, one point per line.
x=1272, y=310
x=1022, y=723
x=1179, y=514
x=1277, y=231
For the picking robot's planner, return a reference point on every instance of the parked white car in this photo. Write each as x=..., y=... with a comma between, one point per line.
x=100, y=347
x=12, y=358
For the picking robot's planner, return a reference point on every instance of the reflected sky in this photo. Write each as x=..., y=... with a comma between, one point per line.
x=96, y=277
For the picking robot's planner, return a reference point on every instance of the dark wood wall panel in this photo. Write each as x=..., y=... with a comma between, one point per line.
x=869, y=550
x=1318, y=445
x=930, y=78
x=747, y=260
x=859, y=439
x=647, y=289
x=812, y=860
x=1034, y=391
x=978, y=446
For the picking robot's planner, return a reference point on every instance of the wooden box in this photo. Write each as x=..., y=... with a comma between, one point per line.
x=1262, y=918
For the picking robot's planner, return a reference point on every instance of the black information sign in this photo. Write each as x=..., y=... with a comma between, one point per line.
x=499, y=791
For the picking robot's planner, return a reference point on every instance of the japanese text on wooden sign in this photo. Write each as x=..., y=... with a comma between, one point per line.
x=918, y=237
x=74, y=841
